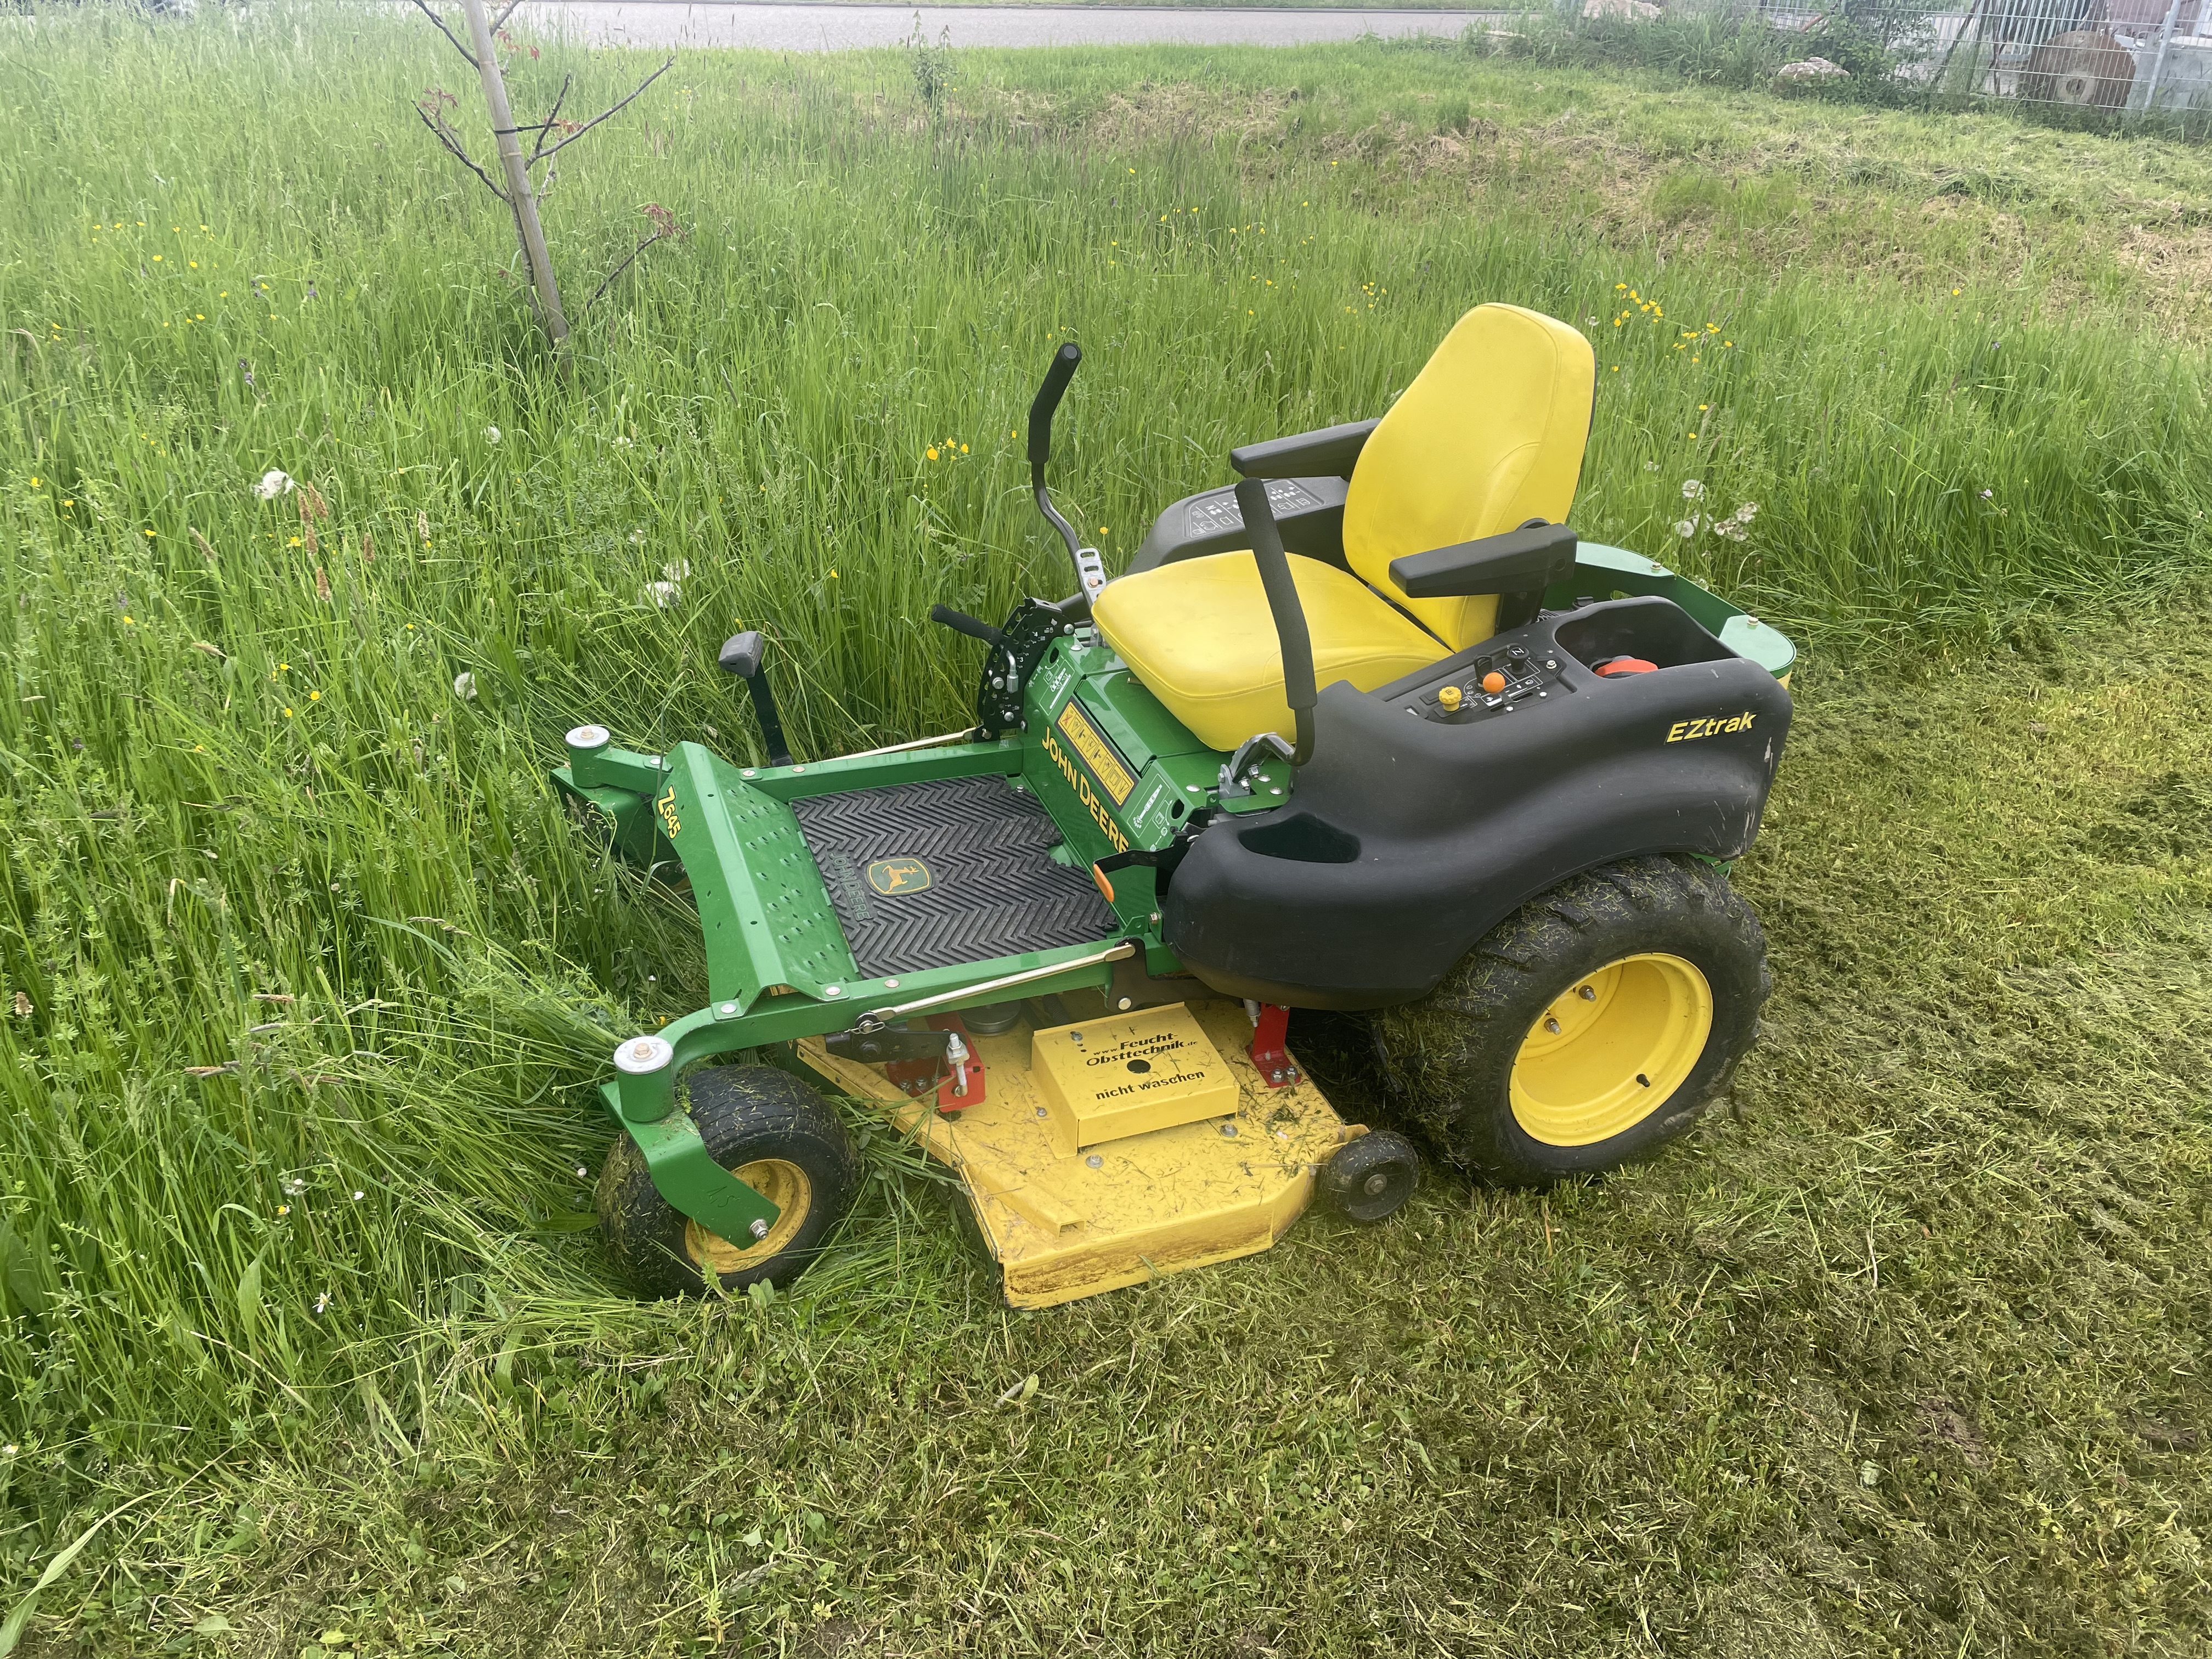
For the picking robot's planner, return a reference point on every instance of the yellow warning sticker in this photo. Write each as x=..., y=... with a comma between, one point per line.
x=1100, y=756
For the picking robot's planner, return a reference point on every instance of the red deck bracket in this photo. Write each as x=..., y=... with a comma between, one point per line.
x=958, y=1087
x=1270, y=1029
x=963, y=1085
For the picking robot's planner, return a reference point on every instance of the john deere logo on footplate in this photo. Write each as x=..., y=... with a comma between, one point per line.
x=895, y=878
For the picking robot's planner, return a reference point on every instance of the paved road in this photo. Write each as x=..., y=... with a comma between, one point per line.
x=838, y=28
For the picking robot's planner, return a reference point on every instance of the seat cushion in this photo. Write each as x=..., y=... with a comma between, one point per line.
x=1199, y=636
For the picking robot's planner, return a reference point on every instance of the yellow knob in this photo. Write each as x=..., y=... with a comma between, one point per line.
x=1449, y=698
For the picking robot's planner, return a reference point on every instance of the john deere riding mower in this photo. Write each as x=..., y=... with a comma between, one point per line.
x=1370, y=733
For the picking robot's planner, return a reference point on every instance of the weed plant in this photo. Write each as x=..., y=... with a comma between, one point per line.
x=307, y=978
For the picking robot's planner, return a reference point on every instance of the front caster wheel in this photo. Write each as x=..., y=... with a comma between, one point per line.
x=1588, y=1029
x=773, y=1133
x=1369, y=1180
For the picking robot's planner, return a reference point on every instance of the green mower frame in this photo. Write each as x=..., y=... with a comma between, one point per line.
x=1062, y=721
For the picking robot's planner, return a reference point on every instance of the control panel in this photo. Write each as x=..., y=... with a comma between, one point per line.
x=1493, y=681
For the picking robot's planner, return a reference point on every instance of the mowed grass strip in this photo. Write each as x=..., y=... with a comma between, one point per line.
x=287, y=919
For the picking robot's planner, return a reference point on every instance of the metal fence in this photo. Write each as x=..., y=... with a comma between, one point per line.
x=2118, y=55
x=2113, y=56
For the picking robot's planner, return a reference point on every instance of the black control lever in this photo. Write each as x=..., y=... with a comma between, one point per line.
x=1298, y=689
x=961, y=622
x=1057, y=374
x=744, y=655
x=1090, y=572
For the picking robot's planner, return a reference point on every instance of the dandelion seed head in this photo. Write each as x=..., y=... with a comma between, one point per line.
x=464, y=686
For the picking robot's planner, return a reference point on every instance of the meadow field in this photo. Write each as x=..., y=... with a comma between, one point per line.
x=304, y=977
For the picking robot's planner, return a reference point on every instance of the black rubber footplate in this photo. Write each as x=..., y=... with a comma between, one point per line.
x=957, y=870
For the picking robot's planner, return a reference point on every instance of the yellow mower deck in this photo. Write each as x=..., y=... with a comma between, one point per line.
x=1075, y=1194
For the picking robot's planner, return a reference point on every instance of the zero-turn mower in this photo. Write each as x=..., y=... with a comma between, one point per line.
x=1368, y=733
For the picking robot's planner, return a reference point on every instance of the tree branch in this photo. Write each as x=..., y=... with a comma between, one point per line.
x=506, y=12
x=617, y=110
x=631, y=259
x=422, y=6
x=553, y=117
x=438, y=131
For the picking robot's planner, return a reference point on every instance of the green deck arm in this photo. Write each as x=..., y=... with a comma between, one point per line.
x=641, y=1096
x=686, y=1174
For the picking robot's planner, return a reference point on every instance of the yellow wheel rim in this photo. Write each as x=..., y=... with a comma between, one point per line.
x=782, y=1184
x=1612, y=1048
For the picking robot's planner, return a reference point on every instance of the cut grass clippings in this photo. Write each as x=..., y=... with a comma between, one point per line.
x=308, y=978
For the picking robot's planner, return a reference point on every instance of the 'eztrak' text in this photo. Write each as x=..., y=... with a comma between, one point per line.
x=1683, y=731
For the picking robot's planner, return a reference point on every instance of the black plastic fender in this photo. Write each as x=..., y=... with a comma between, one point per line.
x=1407, y=838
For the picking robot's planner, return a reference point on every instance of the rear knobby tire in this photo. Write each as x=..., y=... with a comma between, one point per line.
x=1587, y=1029
x=778, y=1136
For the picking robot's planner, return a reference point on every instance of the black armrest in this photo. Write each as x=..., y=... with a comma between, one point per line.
x=1527, y=560
x=1333, y=451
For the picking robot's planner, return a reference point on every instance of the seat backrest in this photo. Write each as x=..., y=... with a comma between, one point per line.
x=1489, y=435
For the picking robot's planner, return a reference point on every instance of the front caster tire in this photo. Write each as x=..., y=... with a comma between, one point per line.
x=773, y=1133
x=1369, y=1179
x=1588, y=1029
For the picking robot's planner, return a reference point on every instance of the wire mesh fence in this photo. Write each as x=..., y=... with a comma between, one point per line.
x=2116, y=57
x=2113, y=55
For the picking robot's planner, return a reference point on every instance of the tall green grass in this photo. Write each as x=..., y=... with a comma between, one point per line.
x=250, y=824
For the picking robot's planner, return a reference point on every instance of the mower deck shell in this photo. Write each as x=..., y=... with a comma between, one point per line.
x=1156, y=1203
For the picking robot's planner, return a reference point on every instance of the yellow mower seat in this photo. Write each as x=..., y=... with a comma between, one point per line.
x=1199, y=635
x=1489, y=435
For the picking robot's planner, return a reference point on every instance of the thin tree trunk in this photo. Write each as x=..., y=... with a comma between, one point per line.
x=520, y=195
